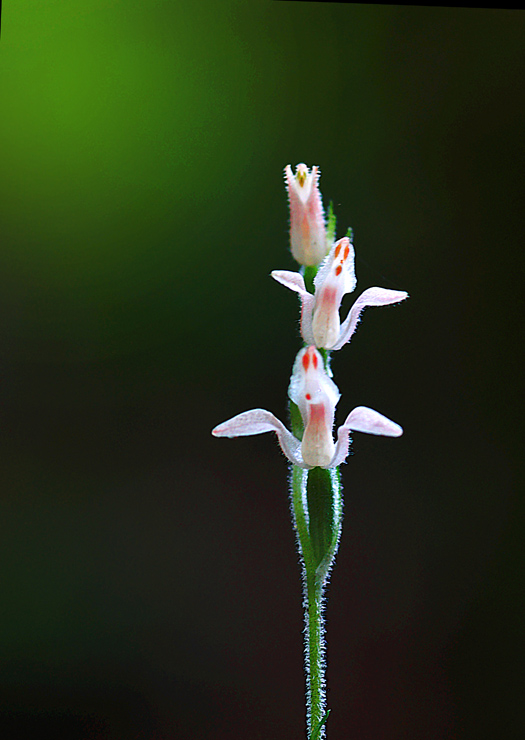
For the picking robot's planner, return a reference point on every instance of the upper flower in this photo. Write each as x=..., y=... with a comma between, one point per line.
x=307, y=226
x=320, y=323
x=316, y=395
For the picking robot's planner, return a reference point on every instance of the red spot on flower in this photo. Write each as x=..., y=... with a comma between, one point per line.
x=306, y=360
x=347, y=251
x=337, y=250
x=338, y=270
x=314, y=360
x=308, y=397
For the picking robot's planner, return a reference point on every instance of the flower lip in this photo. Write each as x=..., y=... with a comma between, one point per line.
x=317, y=445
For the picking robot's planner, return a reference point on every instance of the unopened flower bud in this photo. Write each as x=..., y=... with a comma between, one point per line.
x=307, y=224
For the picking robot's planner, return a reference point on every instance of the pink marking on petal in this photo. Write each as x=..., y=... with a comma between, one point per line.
x=328, y=298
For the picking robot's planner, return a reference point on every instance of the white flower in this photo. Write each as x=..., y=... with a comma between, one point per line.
x=316, y=395
x=320, y=323
x=307, y=226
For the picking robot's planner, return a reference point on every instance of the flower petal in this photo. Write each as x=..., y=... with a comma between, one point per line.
x=370, y=297
x=295, y=281
x=362, y=419
x=258, y=421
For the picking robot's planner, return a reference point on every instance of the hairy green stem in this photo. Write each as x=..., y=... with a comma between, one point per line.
x=317, y=513
x=315, y=649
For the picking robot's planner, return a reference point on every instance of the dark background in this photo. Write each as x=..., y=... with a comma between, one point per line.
x=149, y=579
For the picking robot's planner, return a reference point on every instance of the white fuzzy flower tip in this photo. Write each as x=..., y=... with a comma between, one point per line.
x=307, y=225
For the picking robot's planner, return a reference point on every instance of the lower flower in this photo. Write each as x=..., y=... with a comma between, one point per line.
x=316, y=395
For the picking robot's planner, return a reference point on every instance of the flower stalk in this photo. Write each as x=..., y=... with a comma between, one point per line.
x=326, y=274
x=316, y=562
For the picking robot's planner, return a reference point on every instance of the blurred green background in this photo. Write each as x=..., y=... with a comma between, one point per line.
x=150, y=585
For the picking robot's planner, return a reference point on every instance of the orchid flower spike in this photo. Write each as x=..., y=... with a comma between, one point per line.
x=316, y=395
x=320, y=323
x=307, y=225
